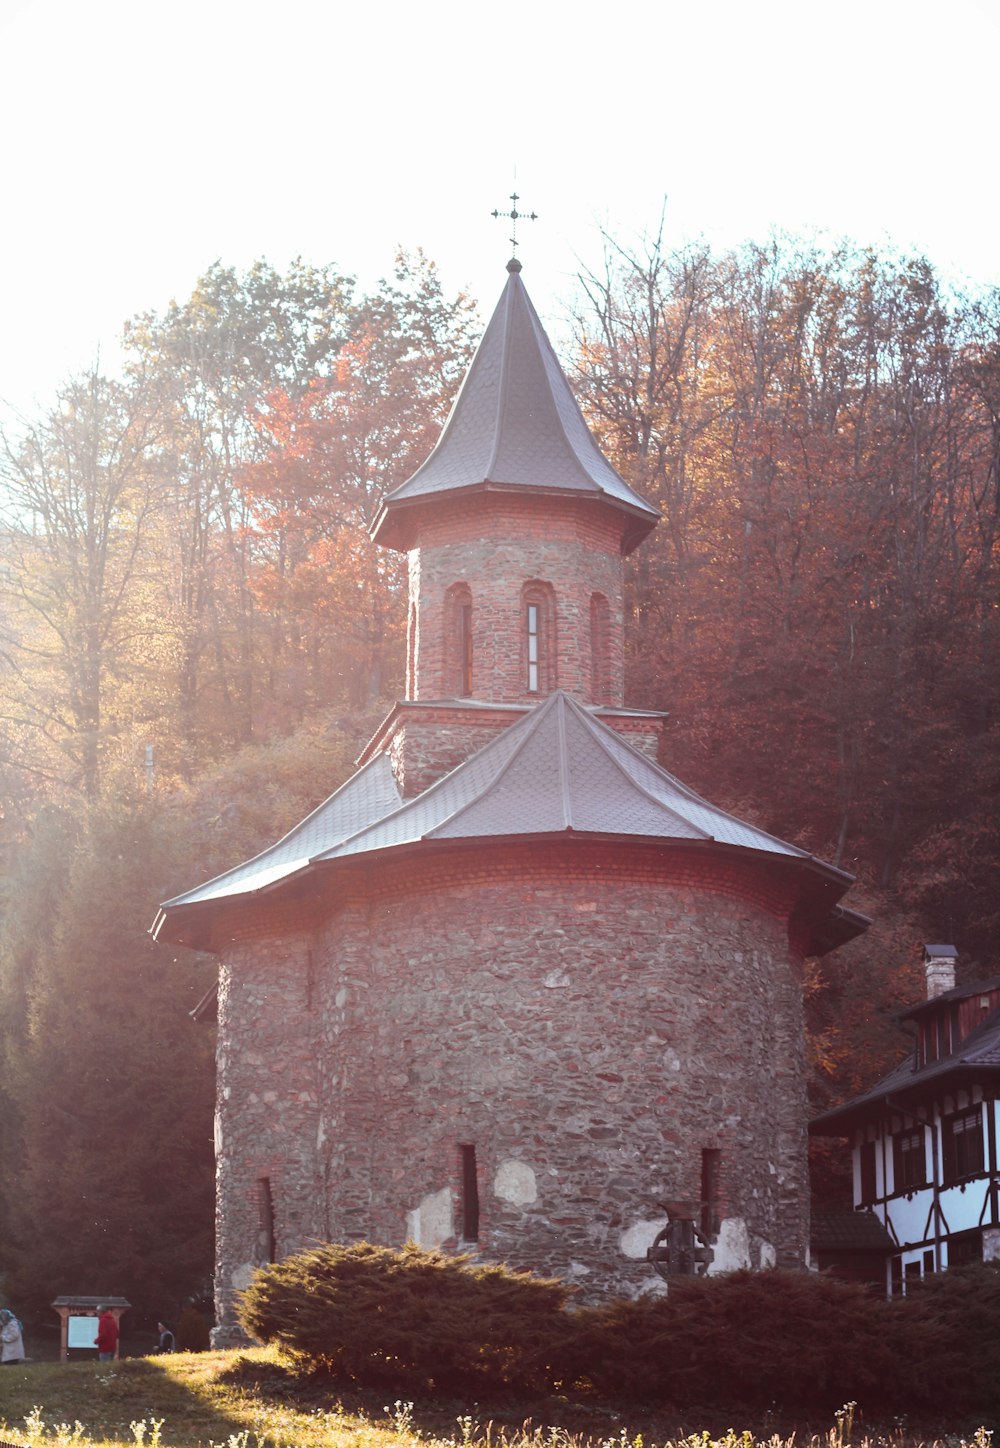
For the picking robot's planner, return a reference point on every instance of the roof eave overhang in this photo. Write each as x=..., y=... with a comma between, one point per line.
x=190, y=922
x=396, y=524
x=827, y=924
x=843, y=1120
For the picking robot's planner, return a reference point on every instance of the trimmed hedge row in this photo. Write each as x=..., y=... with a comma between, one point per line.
x=795, y=1343
x=409, y=1318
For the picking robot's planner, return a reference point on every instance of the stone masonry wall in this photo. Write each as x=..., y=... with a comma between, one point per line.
x=495, y=544
x=589, y=1027
x=267, y=1112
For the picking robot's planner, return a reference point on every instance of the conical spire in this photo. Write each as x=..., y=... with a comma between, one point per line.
x=515, y=425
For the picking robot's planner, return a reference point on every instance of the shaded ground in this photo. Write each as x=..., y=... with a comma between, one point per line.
x=216, y=1398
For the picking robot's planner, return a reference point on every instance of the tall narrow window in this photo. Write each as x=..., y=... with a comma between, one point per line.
x=411, y=655
x=265, y=1220
x=532, y=648
x=457, y=676
x=470, y=1195
x=909, y=1160
x=600, y=644
x=711, y=1164
x=962, y=1145
x=465, y=644
x=867, y=1182
x=538, y=646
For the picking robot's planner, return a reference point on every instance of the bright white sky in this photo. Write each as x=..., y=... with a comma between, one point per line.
x=143, y=139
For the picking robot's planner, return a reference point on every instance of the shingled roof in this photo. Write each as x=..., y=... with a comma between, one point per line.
x=559, y=771
x=515, y=425
x=977, y=1055
x=366, y=796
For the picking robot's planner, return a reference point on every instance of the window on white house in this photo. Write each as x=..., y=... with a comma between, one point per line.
x=962, y=1146
x=868, y=1177
x=964, y=1248
x=909, y=1160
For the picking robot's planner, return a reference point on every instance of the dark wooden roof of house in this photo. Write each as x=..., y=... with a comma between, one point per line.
x=557, y=772
x=515, y=425
x=976, y=1056
x=847, y=1231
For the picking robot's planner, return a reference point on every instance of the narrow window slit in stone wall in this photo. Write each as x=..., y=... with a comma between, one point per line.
x=265, y=1220
x=470, y=1194
x=711, y=1166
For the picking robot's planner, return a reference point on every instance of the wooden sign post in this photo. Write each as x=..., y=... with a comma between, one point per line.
x=78, y=1321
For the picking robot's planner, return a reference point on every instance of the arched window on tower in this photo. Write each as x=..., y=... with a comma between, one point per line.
x=538, y=614
x=600, y=649
x=458, y=640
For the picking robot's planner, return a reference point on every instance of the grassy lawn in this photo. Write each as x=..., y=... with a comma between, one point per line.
x=195, y=1398
x=252, y=1398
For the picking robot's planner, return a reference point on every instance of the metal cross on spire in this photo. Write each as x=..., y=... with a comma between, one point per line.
x=515, y=216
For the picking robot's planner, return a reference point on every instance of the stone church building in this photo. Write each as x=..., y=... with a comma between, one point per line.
x=513, y=985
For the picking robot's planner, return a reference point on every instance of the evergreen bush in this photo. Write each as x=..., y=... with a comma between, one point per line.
x=792, y=1343
x=192, y=1331
x=796, y=1342
x=409, y=1318
x=949, y=1332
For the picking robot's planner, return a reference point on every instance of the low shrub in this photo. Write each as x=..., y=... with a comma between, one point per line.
x=791, y=1341
x=795, y=1344
x=409, y=1318
x=192, y=1331
x=950, y=1325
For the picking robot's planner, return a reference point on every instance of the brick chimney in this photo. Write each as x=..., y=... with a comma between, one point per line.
x=939, y=968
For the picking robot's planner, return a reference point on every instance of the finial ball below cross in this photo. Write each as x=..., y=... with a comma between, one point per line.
x=514, y=216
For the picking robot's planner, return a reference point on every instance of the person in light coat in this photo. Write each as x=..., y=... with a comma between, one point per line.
x=11, y=1341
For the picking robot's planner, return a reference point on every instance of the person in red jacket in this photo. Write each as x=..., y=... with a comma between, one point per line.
x=106, y=1341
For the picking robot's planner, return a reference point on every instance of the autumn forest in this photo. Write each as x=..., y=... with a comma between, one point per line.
x=198, y=636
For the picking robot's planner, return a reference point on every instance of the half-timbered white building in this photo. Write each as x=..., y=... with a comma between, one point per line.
x=925, y=1137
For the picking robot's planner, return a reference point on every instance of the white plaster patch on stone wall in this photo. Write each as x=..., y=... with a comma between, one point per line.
x=576, y=1271
x=651, y=1286
x=430, y=1224
x=218, y=1133
x=768, y=1256
x=556, y=980
x=732, y=1248
x=320, y=1134
x=991, y=1244
x=515, y=1183
x=637, y=1239
x=340, y=999
x=242, y=1276
x=670, y=1060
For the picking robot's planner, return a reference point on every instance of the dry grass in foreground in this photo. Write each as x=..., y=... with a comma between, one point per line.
x=253, y=1399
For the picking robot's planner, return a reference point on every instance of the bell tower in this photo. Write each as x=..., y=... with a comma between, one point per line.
x=516, y=527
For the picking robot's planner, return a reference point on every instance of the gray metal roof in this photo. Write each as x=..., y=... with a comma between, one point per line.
x=366, y=796
x=557, y=771
x=515, y=425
